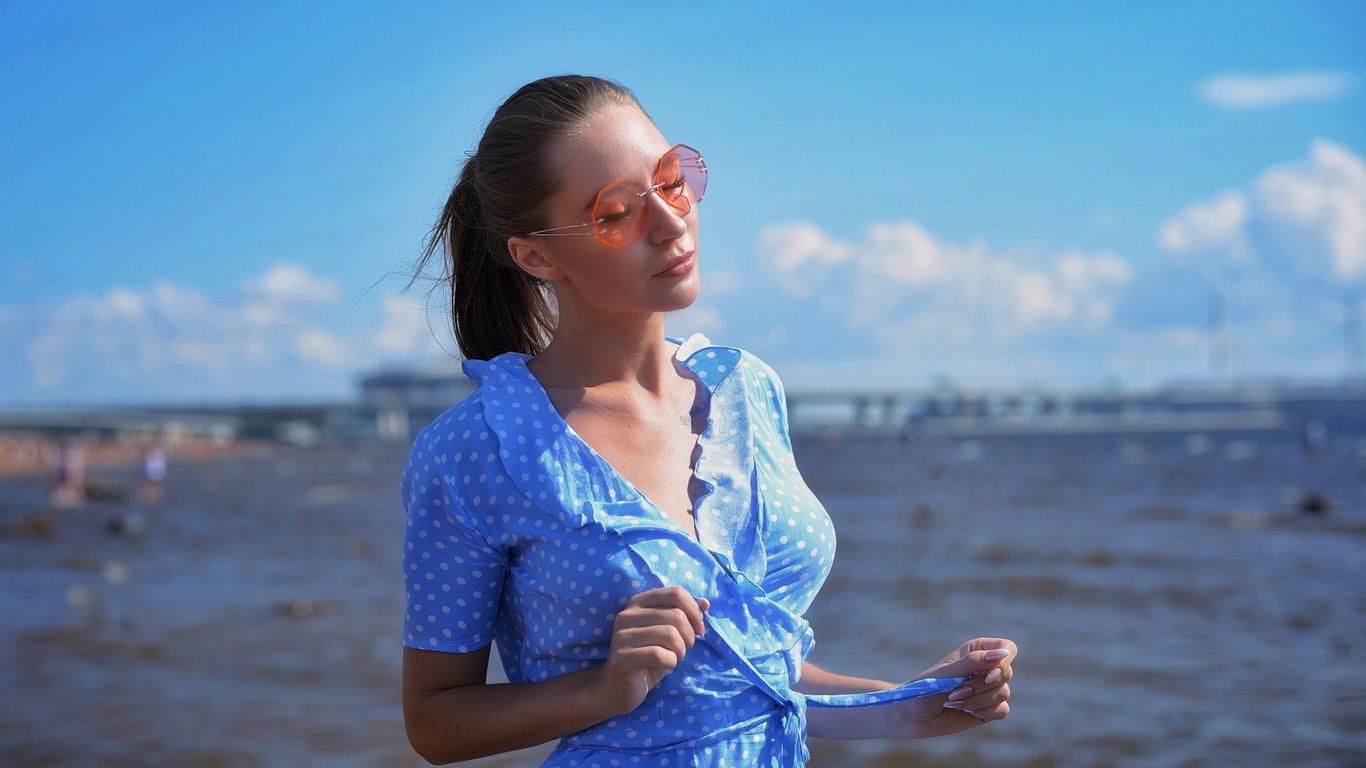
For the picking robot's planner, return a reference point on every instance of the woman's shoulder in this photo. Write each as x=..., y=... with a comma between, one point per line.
x=455, y=457
x=697, y=351
x=465, y=416
x=468, y=419
x=460, y=437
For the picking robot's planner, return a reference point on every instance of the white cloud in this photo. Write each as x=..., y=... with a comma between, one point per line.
x=407, y=329
x=291, y=283
x=894, y=306
x=1319, y=205
x=277, y=335
x=1248, y=92
x=800, y=255
x=121, y=303
x=1304, y=218
x=1215, y=225
x=1298, y=235
x=318, y=346
x=174, y=342
x=176, y=301
x=902, y=277
x=899, y=305
x=907, y=254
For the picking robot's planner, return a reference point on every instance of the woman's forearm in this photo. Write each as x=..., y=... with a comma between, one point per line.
x=852, y=723
x=454, y=724
x=452, y=714
x=817, y=680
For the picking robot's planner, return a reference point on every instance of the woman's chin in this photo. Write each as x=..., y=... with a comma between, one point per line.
x=685, y=294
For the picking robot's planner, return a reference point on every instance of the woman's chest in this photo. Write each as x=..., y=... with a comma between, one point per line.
x=655, y=455
x=774, y=533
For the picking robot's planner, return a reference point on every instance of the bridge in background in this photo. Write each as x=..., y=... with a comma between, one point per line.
x=1247, y=406
x=126, y=421
x=392, y=407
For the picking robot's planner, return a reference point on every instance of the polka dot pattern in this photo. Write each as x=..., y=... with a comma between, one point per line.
x=519, y=533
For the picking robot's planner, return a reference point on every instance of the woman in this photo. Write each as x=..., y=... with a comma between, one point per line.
x=620, y=511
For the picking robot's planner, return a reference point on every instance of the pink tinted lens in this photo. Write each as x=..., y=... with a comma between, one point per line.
x=621, y=212
x=694, y=170
x=681, y=163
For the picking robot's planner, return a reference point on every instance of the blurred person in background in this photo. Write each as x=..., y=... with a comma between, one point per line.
x=69, y=488
x=152, y=487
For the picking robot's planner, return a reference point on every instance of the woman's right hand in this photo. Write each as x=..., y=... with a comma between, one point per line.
x=649, y=638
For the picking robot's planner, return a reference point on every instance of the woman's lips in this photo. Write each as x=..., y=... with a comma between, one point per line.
x=678, y=267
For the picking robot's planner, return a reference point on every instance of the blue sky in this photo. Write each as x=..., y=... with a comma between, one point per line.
x=220, y=201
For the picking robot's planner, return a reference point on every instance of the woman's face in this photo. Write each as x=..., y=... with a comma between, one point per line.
x=656, y=273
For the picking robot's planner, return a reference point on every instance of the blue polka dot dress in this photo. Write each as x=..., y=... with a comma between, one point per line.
x=519, y=532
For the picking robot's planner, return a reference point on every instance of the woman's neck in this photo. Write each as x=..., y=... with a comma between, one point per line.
x=622, y=350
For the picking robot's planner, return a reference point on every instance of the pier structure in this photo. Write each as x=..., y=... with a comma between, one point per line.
x=398, y=402
x=392, y=405
x=1175, y=408
x=163, y=424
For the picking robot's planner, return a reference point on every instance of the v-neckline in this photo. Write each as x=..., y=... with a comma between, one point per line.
x=695, y=465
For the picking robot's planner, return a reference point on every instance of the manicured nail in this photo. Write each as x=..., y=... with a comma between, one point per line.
x=961, y=692
x=996, y=655
x=993, y=676
x=954, y=704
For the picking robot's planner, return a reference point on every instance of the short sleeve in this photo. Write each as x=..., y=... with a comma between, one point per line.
x=453, y=575
x=774, y=399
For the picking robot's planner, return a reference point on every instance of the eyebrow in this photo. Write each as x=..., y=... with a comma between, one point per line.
x=591, y=200
x=588, y=207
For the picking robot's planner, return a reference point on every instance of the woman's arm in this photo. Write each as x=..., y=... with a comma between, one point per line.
x=983, y=698
x=859, y=723
x=451, y=712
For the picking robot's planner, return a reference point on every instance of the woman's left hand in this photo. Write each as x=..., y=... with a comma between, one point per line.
x=983, y=698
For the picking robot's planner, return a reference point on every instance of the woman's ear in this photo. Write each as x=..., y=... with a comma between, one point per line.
x=527, y=255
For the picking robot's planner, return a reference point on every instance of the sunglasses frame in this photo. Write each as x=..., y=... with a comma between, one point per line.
x=696, y=162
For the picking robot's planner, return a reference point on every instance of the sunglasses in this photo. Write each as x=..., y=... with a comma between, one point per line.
x=619, y=212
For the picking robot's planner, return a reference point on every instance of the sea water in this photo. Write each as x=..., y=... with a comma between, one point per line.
x=1172, y=602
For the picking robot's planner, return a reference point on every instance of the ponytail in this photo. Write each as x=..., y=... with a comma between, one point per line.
x=495, y=306
x=501, y=193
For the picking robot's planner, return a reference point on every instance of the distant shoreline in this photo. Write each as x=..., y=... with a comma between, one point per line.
x=36, y=454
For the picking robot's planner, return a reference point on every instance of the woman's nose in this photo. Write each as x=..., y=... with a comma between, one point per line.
x=665, y=221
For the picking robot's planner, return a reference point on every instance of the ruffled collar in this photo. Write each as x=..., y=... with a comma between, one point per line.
x=557, y=470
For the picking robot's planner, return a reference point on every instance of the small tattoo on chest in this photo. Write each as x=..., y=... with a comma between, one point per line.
x=685, y=420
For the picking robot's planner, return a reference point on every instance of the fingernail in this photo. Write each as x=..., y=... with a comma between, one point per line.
x=961, y=692
x=993, y=675
x=996, y=655
x=954, y=705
